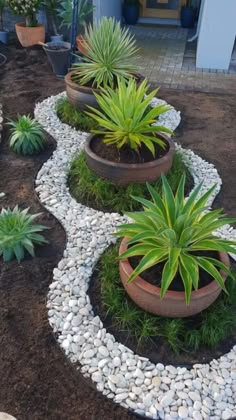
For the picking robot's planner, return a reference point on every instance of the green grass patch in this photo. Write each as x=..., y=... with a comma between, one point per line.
x=101, y=194
x=208, y=329
x=68, y=114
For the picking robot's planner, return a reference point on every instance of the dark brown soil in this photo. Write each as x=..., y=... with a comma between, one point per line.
x=126, y=155
x=156, y=348
x=153, y=275
x=37, y=382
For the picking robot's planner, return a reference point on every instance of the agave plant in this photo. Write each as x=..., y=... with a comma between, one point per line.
x=126, y=118
x=109, y=53
x=173, y=230
x=27, y=136
x=65, y=12
x=18, y=233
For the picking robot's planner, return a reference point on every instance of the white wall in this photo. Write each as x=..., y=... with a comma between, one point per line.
x=217, y=34
x=107, y=8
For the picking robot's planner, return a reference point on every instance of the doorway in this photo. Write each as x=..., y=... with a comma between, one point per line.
x=162, y=9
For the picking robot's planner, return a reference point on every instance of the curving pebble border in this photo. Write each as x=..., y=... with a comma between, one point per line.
x=168, y=392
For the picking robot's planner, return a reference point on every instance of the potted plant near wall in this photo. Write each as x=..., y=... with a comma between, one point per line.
x=127, y=147
x=188, y=14
x=131, y=11
x=65, y=12
x=52, y=7
x=29, y=32
x=109, y=54
x=4, y=35
x=172, y=263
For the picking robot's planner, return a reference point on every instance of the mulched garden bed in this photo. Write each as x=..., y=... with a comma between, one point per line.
x=37, y=381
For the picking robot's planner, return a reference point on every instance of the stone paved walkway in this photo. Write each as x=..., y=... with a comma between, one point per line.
x=167, y=59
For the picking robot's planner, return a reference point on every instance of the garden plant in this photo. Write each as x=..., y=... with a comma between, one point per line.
x=27, y=136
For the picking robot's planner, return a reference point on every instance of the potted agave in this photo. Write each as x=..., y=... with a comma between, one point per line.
x=128, y=146
x=4, y=35
x=172, y=263
x=29, y=32
x=109, y=51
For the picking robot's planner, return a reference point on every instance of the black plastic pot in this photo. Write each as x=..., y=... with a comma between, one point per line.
x=187, y=17
x=131, y=13
x=58, y=54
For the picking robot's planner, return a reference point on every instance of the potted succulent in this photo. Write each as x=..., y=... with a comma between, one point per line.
x=127, y=147
x=110, y=50
x=131, y=11
x=29, y=32
x=4, y=35
x=188, y=14
x=52, y=11
x=171, y=261
x=65, y=11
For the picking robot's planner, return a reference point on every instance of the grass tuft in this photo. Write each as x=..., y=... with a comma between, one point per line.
x=73, y=117
x=101, y=194
x=207, y=329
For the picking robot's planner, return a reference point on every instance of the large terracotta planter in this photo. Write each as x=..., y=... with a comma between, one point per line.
x=80, y=96
x=29, y=36
x=147, y=296
x=127, y=173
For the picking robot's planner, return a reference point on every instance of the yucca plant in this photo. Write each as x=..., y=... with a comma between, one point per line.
x=110, y=50
x=174, y=230
x=125, y=117
x=27, y=136
x=19, y=233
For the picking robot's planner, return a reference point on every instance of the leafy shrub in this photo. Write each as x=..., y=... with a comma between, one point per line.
x=73, y=117
x=124, y=117
x=27, y=136
x=172, y=230
x=18, y=233
x=110, y=50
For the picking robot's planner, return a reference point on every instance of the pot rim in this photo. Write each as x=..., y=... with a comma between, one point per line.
x=176, y=295
x=84, y=88
x=142, y=166
x=23, y=25
x=68, y=46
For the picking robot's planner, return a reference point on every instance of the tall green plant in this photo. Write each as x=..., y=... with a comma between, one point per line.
x=110, y=50
x=65, y=12
x=125, y=117
x=173, y=231
x=52, y=8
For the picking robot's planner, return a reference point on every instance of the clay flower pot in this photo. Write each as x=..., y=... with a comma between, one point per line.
x=81, y=44
x=147, y=296
x=79, y=96
x=29, y=36
x=127, y=173
x=82, y=96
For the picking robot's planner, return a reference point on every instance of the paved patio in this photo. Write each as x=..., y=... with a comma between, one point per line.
x=166, y=58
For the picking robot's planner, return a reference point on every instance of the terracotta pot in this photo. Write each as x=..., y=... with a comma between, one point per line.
x=127, y=173
x=82, y=96
x=147, y=296
x=79, y=96
x=29, y=36
x=81, y=44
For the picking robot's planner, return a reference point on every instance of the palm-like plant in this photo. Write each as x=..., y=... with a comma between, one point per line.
x=109, y=53
x=173, y=230
x=125, y=116
x=18, y=233
x=27, y=136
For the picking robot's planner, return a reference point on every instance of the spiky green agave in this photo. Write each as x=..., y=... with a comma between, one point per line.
x=19, y=233
x=172, y=229
x=27, y=136
x=124, y=117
